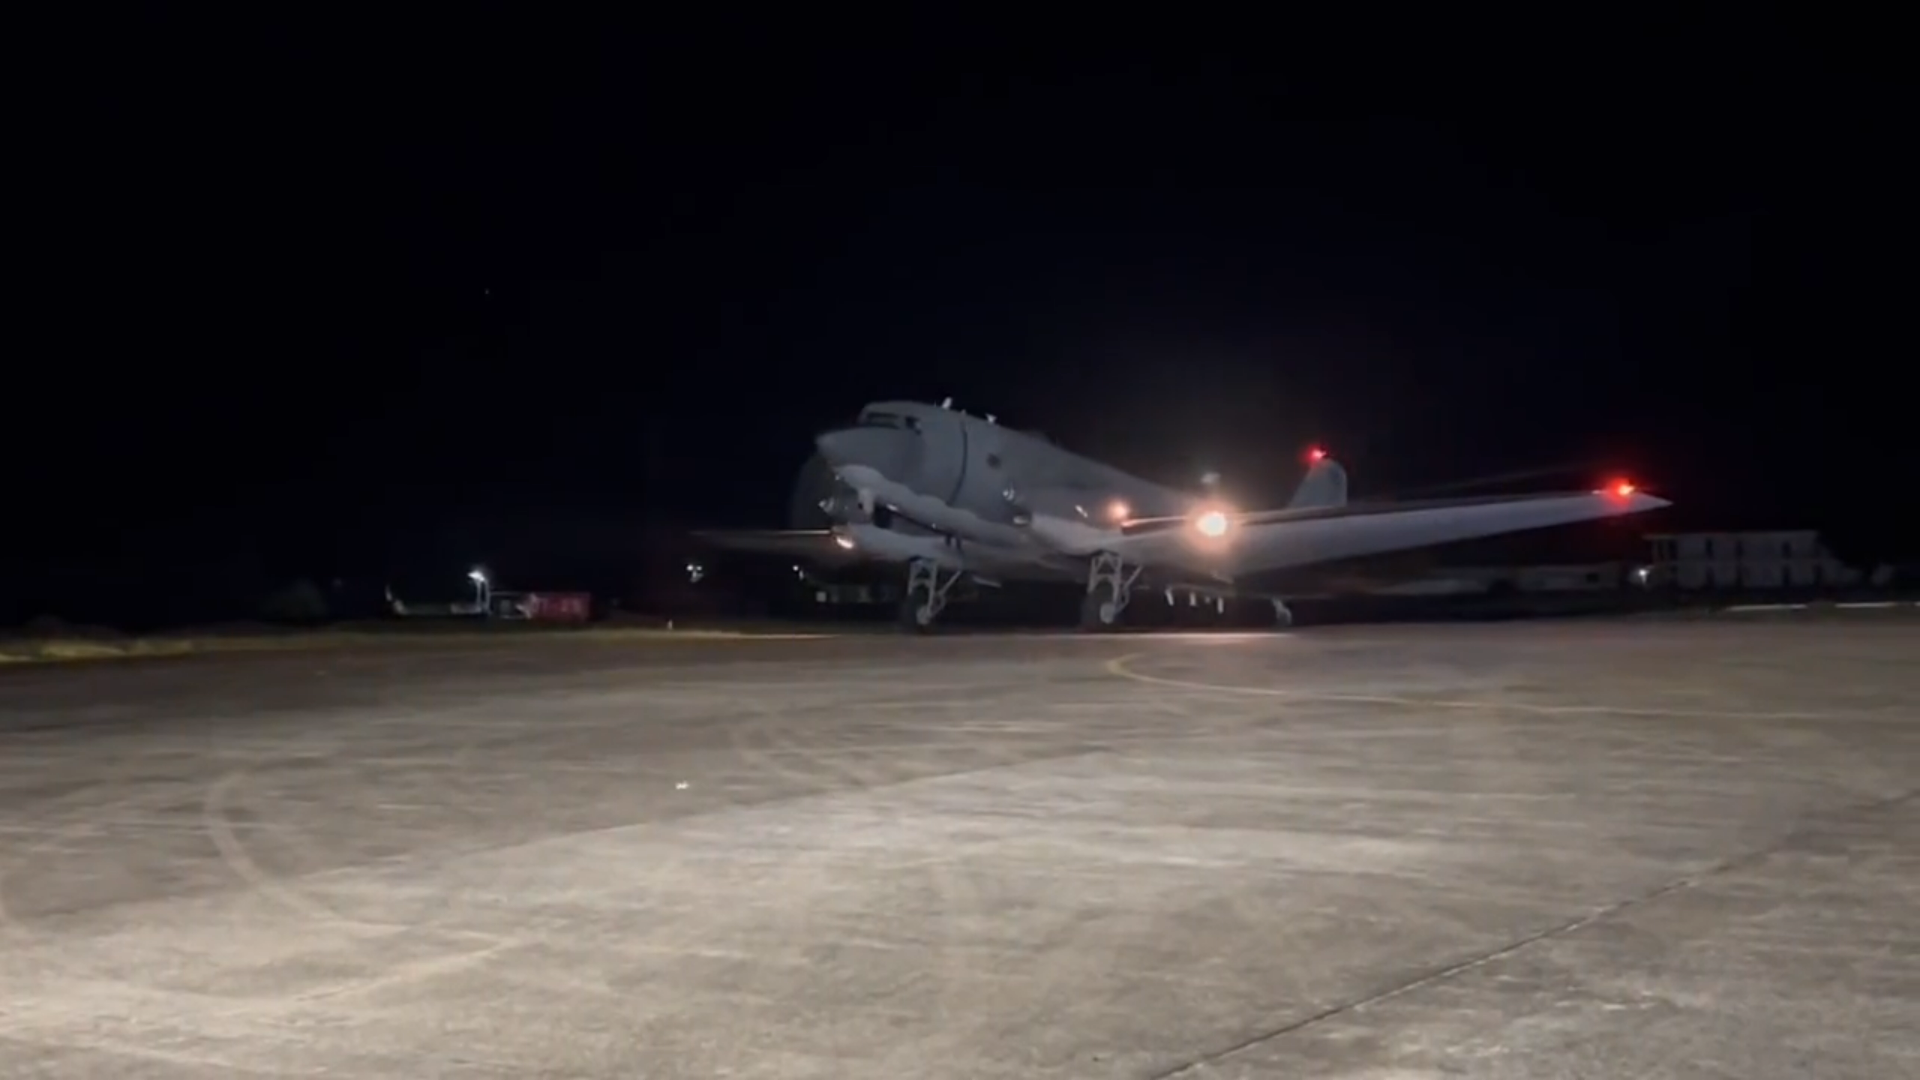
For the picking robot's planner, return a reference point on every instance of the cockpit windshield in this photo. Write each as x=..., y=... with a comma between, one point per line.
x=888, y=420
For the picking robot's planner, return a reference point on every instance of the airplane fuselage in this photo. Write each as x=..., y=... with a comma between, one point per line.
x=1006, y=496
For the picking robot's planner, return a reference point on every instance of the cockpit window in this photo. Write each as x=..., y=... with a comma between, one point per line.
x=889, y=420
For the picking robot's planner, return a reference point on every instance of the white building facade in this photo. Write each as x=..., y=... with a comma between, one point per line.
x=1745, y=560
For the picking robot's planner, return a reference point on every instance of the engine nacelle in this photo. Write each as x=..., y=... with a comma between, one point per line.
x=845, y=505
x=899, y=547
x=815, y=503
x=1074, y=535
x=822, y=495
x=1054, y=503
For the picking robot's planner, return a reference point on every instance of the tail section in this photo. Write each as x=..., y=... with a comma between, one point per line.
x=1323, y=488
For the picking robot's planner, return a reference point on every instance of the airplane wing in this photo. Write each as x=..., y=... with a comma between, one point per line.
x=817, y=547
x=1279, y=539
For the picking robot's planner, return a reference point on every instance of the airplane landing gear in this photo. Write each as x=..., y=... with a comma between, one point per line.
x=926, y=595
x=1282, y=614
x=1109, y=587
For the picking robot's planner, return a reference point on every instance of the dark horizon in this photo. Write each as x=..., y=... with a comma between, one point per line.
x=320, y=310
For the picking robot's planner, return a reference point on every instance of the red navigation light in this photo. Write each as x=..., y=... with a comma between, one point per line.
x=1622, y=488
x=1316, y=454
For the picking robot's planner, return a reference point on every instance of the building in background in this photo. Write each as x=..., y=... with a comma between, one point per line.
x=1793, y=559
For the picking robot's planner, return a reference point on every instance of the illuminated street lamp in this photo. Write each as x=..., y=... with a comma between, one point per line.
x=479, y=579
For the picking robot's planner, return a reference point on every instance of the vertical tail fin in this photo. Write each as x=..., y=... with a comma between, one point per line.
x=1324, y=487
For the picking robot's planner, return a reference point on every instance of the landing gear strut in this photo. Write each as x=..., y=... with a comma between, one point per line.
x=1282, y=614
x=926, y=595
x=1109, y=587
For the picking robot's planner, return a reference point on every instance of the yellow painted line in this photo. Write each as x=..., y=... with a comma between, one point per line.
x=1122, y=667
x=70, y=651
x=78, y=650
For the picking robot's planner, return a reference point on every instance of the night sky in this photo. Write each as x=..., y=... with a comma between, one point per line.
x=314, y=295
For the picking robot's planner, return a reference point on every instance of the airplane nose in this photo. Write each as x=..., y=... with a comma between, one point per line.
x=885, y=450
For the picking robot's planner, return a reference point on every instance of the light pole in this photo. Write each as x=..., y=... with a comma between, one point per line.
x=479, y=579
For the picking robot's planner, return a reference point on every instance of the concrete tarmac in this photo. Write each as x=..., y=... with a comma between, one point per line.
x=1525, y=850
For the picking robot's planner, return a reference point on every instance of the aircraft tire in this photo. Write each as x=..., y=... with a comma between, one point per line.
x=911, y=607
x=1094, y=612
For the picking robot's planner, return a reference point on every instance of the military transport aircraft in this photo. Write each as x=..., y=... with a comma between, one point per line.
x=953, y=496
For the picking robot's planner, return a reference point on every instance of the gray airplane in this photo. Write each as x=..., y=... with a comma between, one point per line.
x=951, y=496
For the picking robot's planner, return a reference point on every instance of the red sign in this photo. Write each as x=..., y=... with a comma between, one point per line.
x=558, y=607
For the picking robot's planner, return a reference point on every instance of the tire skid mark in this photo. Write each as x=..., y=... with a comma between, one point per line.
x=863, y=776
x=45, y=836
x=964, y=896
x=233, y=853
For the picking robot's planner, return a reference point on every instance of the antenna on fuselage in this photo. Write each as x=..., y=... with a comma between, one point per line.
x=946, y=403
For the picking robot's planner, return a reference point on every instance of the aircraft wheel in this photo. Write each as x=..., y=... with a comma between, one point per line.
x=1098, y=611
x=916, y=611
